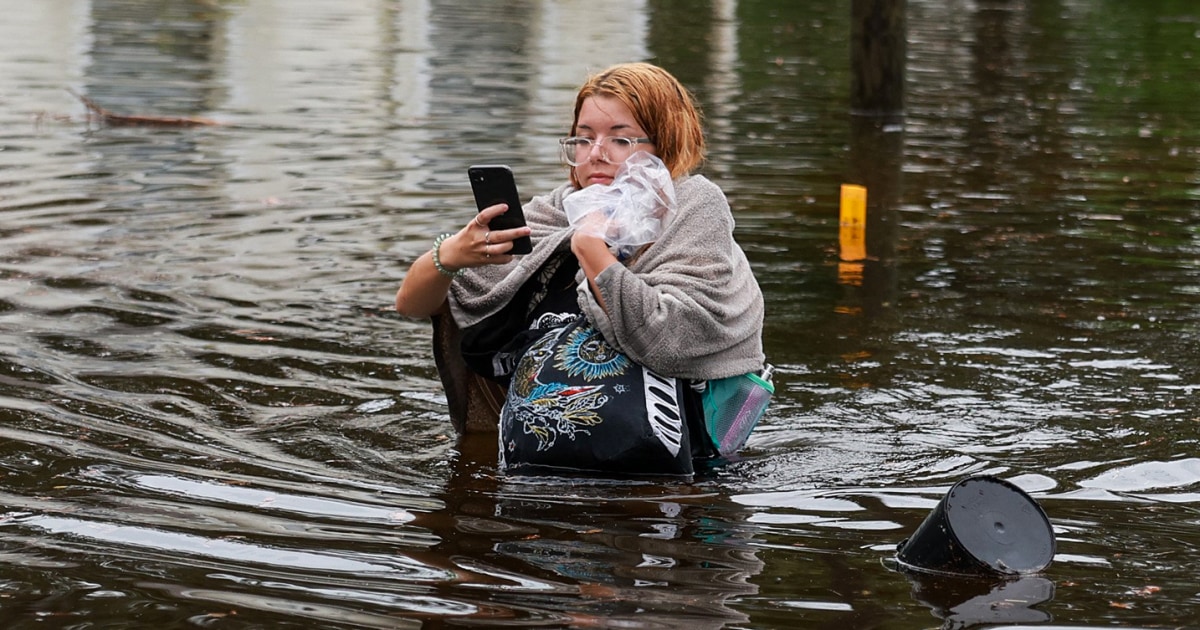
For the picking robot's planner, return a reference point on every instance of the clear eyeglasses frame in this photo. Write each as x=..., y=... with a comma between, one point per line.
x=613, y=149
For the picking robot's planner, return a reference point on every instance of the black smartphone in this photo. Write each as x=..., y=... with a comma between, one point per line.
x=493, y=184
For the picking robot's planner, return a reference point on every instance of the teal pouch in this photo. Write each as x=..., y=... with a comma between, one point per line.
x=733, y=406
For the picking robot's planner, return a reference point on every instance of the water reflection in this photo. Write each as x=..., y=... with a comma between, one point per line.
x=974, y=602
x=580, y=555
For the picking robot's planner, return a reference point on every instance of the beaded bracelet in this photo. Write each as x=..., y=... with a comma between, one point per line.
x=437, y=261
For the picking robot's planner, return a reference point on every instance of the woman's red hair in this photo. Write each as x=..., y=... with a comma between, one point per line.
x=662, y=107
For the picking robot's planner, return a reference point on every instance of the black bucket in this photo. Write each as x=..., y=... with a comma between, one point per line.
x=982, y=525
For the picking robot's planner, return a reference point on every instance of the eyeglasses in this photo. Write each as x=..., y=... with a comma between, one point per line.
x=613, y=149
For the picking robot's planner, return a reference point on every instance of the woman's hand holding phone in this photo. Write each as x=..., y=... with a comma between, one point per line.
x=499, y=242
x=494, y=184
x=476, y=244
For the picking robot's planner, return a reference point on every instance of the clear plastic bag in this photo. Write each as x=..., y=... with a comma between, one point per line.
x=629, y=212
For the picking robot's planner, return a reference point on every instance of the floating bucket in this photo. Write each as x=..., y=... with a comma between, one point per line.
x=982, y=525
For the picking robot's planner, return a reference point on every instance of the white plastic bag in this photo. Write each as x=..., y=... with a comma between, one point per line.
x=629, y=212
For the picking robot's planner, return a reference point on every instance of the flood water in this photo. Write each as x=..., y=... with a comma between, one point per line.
x=210, y=416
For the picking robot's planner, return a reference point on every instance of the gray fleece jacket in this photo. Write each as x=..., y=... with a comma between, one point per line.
x=686, y=306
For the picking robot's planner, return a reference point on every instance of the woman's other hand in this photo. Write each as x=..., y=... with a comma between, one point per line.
x=594, y=257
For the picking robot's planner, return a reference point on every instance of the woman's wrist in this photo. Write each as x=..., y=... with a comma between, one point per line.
x=449, y=272
x=593, y=254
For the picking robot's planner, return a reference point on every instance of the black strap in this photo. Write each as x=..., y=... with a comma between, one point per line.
x=492, y=347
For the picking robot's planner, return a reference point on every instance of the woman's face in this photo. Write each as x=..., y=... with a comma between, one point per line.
x=602, y=117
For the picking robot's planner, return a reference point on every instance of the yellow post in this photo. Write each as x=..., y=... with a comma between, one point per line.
x=852, y=233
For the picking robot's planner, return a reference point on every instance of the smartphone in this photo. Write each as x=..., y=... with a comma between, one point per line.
x=493, y=184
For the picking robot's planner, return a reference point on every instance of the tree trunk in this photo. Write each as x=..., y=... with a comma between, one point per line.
x=877, y=57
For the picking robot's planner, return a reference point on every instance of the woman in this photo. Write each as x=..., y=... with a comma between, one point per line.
x=685, y=306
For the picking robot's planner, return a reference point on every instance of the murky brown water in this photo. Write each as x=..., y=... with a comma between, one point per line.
x=209, y=417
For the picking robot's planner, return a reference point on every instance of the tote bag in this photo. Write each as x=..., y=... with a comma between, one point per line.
x=577, y=405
